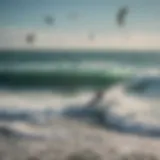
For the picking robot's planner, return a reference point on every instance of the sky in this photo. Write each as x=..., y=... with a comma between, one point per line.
x=75, y=20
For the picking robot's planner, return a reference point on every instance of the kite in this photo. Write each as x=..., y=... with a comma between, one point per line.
x=91, y=36
x=30, y=38
x=49, y=20
x=121, y=16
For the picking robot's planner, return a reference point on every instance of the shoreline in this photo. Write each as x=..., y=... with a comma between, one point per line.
x=72, y=136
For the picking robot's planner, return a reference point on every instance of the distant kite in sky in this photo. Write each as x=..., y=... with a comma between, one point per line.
x=121, y=15
x=49, y=20
x=73, y=16
x=30, y=38
x=91, y=36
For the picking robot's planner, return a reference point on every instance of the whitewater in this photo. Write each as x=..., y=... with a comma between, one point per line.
x=39, y=86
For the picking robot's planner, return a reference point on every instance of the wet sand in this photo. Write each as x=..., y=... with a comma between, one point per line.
x=71, y=139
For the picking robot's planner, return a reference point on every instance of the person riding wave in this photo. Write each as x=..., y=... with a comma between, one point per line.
x=97, y=99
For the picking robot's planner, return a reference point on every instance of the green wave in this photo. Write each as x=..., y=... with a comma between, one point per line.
x=56, y=78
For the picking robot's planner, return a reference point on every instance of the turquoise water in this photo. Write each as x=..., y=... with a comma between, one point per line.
x=73, y=68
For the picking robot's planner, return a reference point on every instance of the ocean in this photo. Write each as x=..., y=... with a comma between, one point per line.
x=36, y=86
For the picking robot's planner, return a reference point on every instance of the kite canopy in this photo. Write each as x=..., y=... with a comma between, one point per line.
x=73, y=16
x=121, y=15
x=30, y=38
x=49, y=20
x=91, y=36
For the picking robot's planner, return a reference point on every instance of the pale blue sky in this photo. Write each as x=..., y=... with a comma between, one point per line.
x=94, y=15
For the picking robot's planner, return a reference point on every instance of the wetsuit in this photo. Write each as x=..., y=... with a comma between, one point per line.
x=97, y=99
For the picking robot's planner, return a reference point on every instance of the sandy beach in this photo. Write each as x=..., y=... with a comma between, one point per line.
x=71, y=139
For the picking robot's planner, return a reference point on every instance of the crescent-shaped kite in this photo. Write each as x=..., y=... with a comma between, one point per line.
x=49, y=20
x=121, y=16
x=30, y=38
